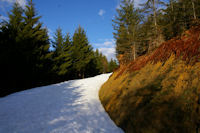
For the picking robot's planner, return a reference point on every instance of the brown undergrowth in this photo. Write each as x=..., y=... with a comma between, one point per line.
x=187, y=47
x=159, y=92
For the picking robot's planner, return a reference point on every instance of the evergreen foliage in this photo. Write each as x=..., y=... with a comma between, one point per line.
x=26, y=60
x=24, y=49
x=62, y=54
x=125, y=25
x=35, y=45
x=81, y=52
x=153, y=23
x=112, y=65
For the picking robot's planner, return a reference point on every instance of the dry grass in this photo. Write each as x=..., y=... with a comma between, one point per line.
x=186, y=47
x=159, y=92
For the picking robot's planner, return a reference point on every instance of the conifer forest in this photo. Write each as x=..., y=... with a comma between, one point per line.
x=29, y=58
x=153, y=86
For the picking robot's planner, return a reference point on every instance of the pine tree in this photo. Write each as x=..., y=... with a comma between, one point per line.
x=99, y=64
x=125, y=25
x=58, y=41
x=112, y=65
x=62, y=53
x=93, y=67
x=82, y=52
x=66, y=55
x=24, y=45
x=170, y=25
x=16, y=18
x=35, y=41
x=57, y=45
x=9, y=47
x=179, y=16
x=104, y=63
x=152, y=9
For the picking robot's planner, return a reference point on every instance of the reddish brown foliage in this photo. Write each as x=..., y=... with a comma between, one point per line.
x=186, y=47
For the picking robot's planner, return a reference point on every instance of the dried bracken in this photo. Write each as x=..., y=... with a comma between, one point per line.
x=159, y=92
x=186, y=47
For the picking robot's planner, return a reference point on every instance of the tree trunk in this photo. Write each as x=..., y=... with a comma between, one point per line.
x=134, y=52
x=79, y=75
x=172, y=7
x=193, y=6
x=83, y=76
x=184, y=10
x=154, y=13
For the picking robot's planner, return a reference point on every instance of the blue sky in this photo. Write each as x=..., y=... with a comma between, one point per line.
x=95, y=16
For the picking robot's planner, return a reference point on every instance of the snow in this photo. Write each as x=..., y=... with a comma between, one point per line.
x=68, y=107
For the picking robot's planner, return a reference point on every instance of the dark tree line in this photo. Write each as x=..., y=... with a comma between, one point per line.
x=141, y=30
x=74, y=56
x=25, y=58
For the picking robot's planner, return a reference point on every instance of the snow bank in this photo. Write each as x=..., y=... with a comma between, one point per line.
x=68, y=107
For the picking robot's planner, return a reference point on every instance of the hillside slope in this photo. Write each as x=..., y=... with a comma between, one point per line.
x=158, y=92
x=68, y=107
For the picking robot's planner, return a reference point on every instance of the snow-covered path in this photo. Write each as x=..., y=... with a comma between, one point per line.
x=68, y=107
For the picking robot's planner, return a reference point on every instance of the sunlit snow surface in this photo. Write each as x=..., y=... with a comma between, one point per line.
x=68, y=107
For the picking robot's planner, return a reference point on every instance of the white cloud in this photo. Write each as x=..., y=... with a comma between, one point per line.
x=107, y=48
x=118, y=6
x=106, y=43
x=109, y=42
x=136, y=3
x=101, y=12
x=22, y=3
x=50, y=33
x=108, y=52
x=3, y=18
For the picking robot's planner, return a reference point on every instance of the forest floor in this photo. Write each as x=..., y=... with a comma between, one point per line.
x=68, y=107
